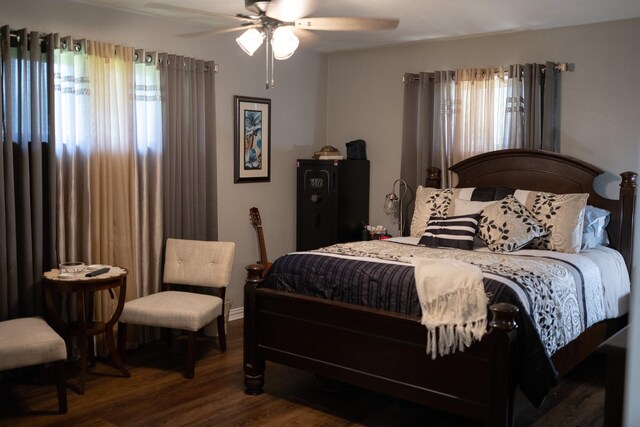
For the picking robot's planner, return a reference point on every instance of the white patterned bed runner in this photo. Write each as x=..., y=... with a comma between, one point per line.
x=560, y=303
x=453, y=303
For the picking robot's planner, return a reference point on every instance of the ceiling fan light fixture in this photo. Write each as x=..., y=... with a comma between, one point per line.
x=250, y=40
x=284, y=43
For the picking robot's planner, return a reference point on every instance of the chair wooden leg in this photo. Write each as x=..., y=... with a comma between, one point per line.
x=61, y=386
x=222, y=335
x=122, y=340
x=114, y=354
x=191, y=354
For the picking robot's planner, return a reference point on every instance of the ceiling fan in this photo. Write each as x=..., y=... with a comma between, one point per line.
x=278, y=21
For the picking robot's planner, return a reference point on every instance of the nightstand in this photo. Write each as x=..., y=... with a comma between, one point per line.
x=615, y=349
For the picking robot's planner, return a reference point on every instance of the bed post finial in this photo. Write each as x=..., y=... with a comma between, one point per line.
x=254, y=274
x=629, y=179
x=434, y=177
x=504, y=316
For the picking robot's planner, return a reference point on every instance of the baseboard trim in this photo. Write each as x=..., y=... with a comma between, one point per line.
x=236, y=313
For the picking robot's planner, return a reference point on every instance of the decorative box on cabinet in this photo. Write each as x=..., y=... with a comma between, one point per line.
x=333, y=201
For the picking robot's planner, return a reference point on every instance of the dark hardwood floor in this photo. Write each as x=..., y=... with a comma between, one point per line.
x=158, y=394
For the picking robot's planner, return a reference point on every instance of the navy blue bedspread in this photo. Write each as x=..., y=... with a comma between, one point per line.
x=392, y=287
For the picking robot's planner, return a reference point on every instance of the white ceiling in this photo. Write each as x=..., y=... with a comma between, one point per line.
x=419, y=19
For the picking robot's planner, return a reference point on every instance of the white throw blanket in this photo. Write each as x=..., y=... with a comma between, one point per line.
x=453, y=302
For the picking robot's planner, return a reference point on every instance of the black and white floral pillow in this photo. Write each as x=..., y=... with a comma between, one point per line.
x=507, y=226
x=562, y=215
x=430, y=202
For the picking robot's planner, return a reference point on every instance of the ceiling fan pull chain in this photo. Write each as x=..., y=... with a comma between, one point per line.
x=267, y=58
x=273, y=68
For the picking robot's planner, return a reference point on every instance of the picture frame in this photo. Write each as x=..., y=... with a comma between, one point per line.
x=252, y=151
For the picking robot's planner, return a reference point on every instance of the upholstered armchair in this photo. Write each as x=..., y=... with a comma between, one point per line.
x=187, y=262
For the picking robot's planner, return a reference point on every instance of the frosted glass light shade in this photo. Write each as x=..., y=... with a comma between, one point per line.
x=284, y=43
x=250, y=40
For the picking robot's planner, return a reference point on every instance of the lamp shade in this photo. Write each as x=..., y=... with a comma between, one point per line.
x=284, y=43
x=250, y=40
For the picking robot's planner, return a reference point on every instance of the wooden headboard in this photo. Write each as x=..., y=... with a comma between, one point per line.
x=555, y=173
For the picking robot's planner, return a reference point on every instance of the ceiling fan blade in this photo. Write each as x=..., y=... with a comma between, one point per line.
x=212, y=32
x=306, y=37
x=347, y=24
x=290, y=10
x=180, y=9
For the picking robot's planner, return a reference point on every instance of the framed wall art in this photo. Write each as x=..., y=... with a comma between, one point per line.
x=252, y=140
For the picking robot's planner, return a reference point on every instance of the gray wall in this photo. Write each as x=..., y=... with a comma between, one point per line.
x=298, y=111
x=600, y=120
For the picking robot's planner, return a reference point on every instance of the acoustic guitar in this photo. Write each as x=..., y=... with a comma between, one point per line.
x=254, y=216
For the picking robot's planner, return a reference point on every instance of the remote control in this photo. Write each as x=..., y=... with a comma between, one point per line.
x=98, y=272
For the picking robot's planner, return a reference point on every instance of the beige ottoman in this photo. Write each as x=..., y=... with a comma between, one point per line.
x=31, y=341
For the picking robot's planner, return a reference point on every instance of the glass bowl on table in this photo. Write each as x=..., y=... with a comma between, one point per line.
x=72, y=267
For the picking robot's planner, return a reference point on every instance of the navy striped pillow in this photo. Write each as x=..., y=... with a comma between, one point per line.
x=452, y=232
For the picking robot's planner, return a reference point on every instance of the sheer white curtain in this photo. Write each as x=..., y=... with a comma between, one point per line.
x=112, y=164
x=109, y=133
x=73, y=136
x=480, y=103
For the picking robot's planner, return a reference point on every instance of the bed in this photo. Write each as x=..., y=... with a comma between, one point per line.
x=384, y=350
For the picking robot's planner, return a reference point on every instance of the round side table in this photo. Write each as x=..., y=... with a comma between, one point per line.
x=84, y=327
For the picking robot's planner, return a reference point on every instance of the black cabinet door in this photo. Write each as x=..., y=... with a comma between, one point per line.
x=333, y=201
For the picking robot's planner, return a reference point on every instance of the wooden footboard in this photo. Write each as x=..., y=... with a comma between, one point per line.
x=378, y=350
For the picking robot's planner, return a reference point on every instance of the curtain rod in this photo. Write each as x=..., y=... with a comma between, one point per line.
x=409, y=78
x=14, y=39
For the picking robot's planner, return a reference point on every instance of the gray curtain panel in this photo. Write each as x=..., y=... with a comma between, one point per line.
x=514, y=114
x=541, y=106
x=417, y=135
x=27, y=171
x=408, y=169
x=427, y=129
x=189, y=148
x=551, y=109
